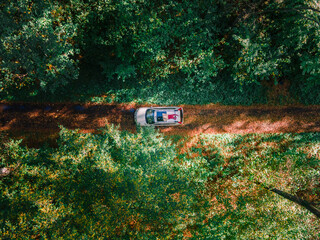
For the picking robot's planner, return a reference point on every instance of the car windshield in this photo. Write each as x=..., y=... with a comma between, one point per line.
x=150, y=116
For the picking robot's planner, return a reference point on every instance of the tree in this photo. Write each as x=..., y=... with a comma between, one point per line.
x=37, y=48
x=276, y=41
x=108, y=185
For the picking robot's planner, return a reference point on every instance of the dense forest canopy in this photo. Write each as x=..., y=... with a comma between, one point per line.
x=217, y=48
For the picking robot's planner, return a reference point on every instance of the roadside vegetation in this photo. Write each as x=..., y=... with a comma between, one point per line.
x=143, y=186
x=246, y=172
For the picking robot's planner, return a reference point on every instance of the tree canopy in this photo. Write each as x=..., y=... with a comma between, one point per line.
x=50, y=47
x=108, y=185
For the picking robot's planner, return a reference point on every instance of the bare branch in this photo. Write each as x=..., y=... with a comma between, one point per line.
x=307, y=205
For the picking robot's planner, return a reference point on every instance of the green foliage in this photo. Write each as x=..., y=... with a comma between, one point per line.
x=243, y=209
x=256, y=62
x=37, y=48
x=109, y=185
x=78, y=49
x=142, y=186
x=224, y=91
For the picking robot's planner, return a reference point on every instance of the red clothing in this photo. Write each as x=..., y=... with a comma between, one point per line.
x=172, y=116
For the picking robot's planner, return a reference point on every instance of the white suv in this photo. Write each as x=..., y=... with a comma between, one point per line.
x=158, y=116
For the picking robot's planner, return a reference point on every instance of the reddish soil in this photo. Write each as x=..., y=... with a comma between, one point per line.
x=17, y=118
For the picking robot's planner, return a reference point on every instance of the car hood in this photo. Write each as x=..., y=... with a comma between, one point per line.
x=140, y=116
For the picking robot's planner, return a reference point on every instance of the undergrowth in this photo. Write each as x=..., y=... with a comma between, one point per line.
x=234, y=170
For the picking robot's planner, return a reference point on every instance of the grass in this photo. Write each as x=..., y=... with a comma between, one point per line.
x=239, y=206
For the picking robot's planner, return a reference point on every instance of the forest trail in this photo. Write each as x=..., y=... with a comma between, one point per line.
x=19, y=118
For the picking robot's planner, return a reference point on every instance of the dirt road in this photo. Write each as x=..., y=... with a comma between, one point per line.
x=198, y=119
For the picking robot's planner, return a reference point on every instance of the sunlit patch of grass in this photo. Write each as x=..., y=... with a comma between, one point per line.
x=239, y=206
x=289, y=162
x=277, y=154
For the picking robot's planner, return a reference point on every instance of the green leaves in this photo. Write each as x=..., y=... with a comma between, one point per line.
x=256, y=61
x=125, y=185
x=243, y=170
x=90, y=180
x=80, y=49
x=38, y=52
